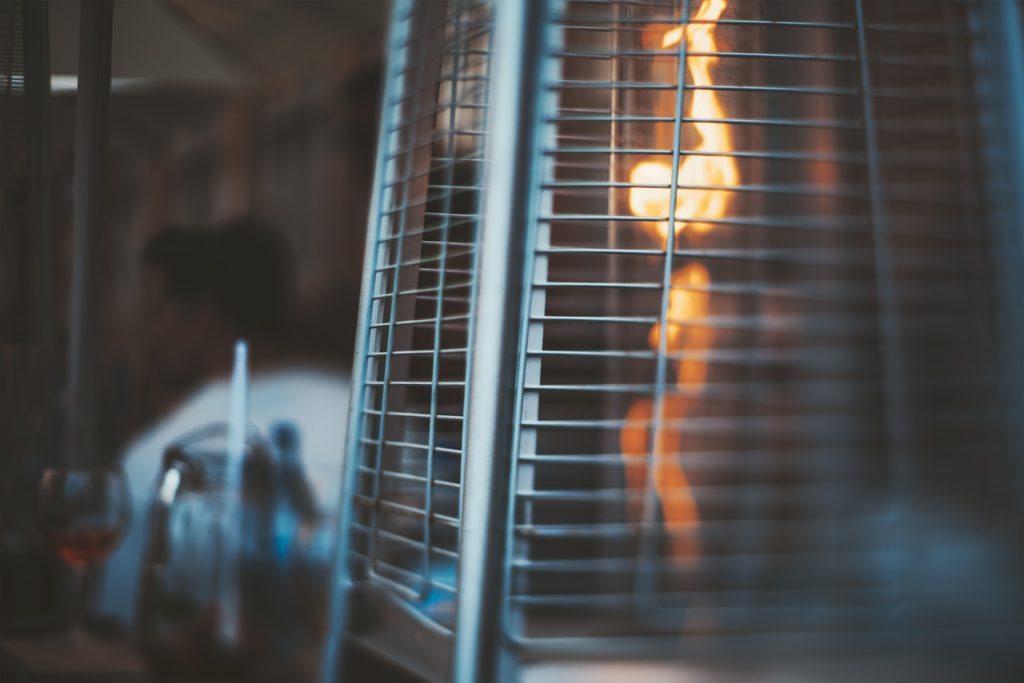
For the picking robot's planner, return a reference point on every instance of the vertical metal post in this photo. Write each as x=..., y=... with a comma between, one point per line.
x=1011, y=23
x=508, y=197
x=898, y=436
x=1000, y=53
x=644, y=585
x=339, y=609
x=897, y=429
x=91, y=129
x=37, y=95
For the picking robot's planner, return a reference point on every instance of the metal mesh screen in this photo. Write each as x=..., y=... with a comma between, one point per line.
x=772, y=410
x=411, y=406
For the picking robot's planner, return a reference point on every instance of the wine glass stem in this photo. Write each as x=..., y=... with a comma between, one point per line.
x=78, y=597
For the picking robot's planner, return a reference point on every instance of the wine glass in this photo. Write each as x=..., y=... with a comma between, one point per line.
x=82, y=512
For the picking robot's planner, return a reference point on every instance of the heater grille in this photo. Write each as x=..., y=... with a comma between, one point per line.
x=763, y=385
x=772, y=411
x=409, y=433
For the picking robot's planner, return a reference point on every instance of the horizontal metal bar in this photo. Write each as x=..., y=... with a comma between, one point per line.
x=823, y=256
x=580, y=84
x=411, y=576
x=405, y=540
x=910, y=92
x=460, y=317
x=407, y=510
x=807, y=460
x=626, y=26
x=827, y=422
x=883, y=125
x=930, y=61
x=383, y=239
x=802, y=493
x=421, y=261
x=918, y=159
x=806, y=564
x=846, y=388
x=645, y=21
x=437, y=163
x=416, y=383
x=864, y=527
x=657, y=151
x=423, y=416
x=832, y=322
x=836, y=190
x=808, y=354
x=405, y=476
x=818, y=291
x=668, y=646
x=617, y=22
x=462, y=350
x=813, y=614
x=410, y=445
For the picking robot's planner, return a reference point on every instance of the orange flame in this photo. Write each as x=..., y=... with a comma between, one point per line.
x=704, y=178
x=688, y=301
x=703, y=175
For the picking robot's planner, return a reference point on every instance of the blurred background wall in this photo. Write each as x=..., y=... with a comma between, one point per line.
x=221, y=110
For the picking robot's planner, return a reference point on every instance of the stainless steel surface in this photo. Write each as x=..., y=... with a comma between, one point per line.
x=509, y=203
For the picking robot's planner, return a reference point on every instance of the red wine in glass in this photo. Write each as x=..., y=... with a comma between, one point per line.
x=82, y=512
x=82, y=547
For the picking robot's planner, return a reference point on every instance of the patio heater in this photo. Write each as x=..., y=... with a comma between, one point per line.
x=690, y=336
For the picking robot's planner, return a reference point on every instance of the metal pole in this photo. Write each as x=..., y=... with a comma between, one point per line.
x=1001, y=56
x=899, y=439
x=95, y=27
x=37, y=95
x=507, y=201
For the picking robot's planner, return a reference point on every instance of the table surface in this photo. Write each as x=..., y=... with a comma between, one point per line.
x=70, y=656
